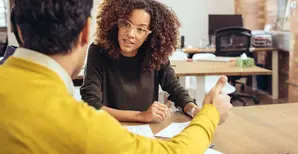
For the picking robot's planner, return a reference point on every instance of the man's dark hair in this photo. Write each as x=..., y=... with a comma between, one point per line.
x=51, y=26
x=14, y=26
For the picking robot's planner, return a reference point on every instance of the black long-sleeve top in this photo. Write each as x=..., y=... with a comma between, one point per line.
x=121, y=84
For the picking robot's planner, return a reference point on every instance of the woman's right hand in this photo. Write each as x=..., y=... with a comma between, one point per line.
x=156, y=112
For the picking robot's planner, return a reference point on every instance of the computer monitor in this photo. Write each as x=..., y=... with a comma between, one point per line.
x=218, y=21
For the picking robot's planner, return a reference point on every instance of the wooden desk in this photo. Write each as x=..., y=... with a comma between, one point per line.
x=265, y=129
x=203, y=69
x=212, y=50
x=274, y=63
x=158, y=126
x=269, y=129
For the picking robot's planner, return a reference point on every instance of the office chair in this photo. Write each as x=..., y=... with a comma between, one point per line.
x=233, y=42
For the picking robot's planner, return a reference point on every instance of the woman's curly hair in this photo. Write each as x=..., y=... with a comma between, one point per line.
x=159, y=44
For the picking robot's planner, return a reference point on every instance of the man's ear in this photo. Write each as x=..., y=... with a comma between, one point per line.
x=20, y=34
x=86, y=32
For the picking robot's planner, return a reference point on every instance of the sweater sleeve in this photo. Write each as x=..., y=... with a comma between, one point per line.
x=170, y=83
x=91, y=90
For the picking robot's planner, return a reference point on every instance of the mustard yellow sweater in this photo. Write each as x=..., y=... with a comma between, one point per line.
x=38, y=115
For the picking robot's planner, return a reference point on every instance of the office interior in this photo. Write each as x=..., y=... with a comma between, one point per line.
x=273, y=31
x=200, y=21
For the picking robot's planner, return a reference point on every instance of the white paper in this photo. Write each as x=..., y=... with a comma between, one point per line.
x=212, y=151
x=143, y=130
x=219, y=59
x=172, y=130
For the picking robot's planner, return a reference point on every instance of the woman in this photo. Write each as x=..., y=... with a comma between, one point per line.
x=129, y=59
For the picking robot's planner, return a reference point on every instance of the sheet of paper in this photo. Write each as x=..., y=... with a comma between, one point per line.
x=219, y=59
x=212, y=151
x=143, y=130
x=172, y=130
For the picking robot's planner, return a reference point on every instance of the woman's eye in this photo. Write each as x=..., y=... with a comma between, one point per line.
x=141, y=30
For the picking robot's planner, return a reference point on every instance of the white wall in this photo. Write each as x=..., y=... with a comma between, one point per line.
x=221, y=6
x=193, y=15
x=11, y=37
x=93, y=15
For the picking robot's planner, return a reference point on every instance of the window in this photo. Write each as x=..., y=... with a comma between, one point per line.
x=3, y=22
x=283, y=18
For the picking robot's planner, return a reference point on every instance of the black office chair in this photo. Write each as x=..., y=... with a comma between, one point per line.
x=233, y=42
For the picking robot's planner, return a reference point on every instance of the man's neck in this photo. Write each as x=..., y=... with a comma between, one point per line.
x=63, y=60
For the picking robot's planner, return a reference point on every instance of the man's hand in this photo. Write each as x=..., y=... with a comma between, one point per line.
x=219, y=100
x=156, y=112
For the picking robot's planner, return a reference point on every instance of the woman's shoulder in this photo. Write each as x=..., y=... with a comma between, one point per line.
x=97, y=52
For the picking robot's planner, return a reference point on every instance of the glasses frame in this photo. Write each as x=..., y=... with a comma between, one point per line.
x=132, y=26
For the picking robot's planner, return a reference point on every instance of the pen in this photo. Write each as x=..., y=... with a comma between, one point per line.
x=212, y=145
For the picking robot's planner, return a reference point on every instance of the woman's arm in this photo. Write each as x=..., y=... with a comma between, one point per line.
x=170, y=83
x=91, y=90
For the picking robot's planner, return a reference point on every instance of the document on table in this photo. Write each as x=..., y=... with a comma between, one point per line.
x=176, y=128
x=212, y=151
x=172, y=130
x=143, y=130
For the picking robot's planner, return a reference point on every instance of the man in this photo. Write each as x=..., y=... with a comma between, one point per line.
x=38, y=113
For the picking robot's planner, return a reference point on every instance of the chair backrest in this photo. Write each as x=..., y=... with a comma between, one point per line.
x=232, y=41
x=178, y=55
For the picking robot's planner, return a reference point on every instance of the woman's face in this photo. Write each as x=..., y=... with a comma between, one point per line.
x=133, y=32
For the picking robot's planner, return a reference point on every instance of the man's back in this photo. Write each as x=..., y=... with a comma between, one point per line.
x=33, y=102
x=38, y=115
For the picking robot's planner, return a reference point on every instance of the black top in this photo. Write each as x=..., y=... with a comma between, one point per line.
x=121, y=84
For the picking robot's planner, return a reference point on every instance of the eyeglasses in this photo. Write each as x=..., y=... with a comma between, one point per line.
x=126, y=26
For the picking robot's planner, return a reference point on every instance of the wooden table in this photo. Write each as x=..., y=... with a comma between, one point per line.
x=203, y=69
x=268, y=129
x=212, y=50
x=265, y=129
x=158, y=126
x=274, y=63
